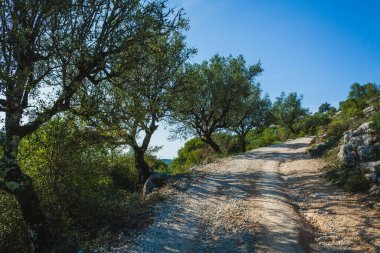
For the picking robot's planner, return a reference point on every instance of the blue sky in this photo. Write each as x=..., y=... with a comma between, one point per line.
x=316, y=48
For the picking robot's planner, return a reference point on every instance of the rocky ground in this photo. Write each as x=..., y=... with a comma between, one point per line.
x=271, y=199
x=342, y=222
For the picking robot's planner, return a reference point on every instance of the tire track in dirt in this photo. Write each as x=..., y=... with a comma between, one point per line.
x=245, y=203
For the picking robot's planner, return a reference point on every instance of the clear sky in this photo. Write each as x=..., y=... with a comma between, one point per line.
x=316, y=48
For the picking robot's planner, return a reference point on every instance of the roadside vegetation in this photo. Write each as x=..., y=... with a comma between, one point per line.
x=84, y=87
x=362, y=105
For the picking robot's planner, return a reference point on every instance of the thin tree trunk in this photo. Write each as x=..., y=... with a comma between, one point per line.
x=242, y=142
x=141, y=165
x=21, y=186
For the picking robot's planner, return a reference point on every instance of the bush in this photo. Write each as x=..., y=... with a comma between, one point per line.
x=123, y=172
x=310, y=124
x=337, y=127
x=228, y=143
x=351, y=181
x=85, y=190
x=359, y=98
x=194, y=152
x=322, y=148
x=268, y=136
x=375, y=125
x=13, y=236
x=357, y=183
x=156, y=164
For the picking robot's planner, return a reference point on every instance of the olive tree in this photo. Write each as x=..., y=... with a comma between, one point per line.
x=49, y=51
x=288, y=109
x=127, y=112
x=251, y=112
x=209, y=92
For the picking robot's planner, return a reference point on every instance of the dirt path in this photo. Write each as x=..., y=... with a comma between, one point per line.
x=267, y=200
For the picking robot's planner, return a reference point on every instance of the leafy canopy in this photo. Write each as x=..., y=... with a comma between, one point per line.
x=209, y=93
x=288, y=109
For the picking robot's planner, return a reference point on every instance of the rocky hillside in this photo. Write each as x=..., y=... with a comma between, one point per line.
x=360, y=152
x=350, y=142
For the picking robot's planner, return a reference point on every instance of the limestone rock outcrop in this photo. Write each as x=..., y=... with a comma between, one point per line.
x=361, y=150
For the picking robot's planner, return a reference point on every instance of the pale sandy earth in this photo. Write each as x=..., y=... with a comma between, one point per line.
x=270, y=199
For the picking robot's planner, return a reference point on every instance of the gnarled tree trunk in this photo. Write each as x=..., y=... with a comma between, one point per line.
x=21, y=186
x=141, y=165
x=208, y=140
x=242, y=142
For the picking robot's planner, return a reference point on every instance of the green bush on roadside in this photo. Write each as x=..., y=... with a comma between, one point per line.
x=270, y=135
x=375, y=124
x=194, y=152
x=13, y=236
x=357, y=183
x=337, y=127
x=86, y=189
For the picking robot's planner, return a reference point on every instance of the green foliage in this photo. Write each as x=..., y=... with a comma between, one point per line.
x=209, y=93
x=55, y=55
x=85, y=186
x=338, y=126
x=375, y=124
x=72, y=178
x=357, y=183
x=13, y=235
x=123, y=172
x=268, y=136
x=350, y=116
x=251, y=112
x=156, y=164
x=350, y=113
x=140, y=96
x=326, y=108
x=359, y=98
x=227, y=142
x=310, y=124
x=194, y=152
x=287, y=110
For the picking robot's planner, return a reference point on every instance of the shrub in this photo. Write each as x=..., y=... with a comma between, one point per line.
x=310, y=124
x=82, y=186
x=357, y=183
x=268, y=136
x=359, y=98
x=322, y=148
x=156, y=164
x=228, y=143
x=123, y=172
x=337, y=127
x=194, y=152
x=13, y=237
x=375, y=125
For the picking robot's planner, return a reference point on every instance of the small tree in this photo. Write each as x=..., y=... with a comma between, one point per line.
x=287, y=109
x=359, y=98
x=252, y=112
x=209, y=92
x=128, y=111
x=326, y=108
x=49, y=51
